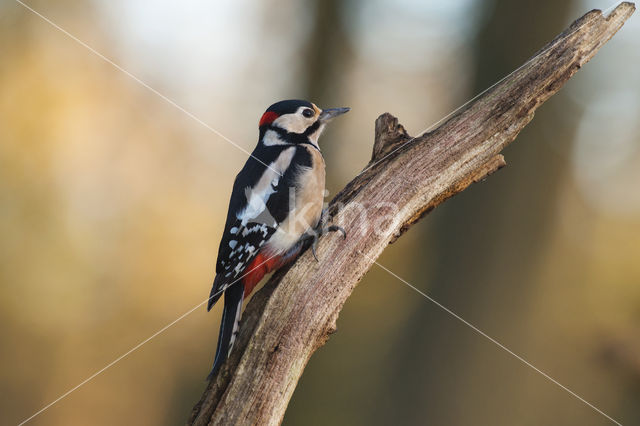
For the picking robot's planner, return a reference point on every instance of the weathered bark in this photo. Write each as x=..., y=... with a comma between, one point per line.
x=296, y=311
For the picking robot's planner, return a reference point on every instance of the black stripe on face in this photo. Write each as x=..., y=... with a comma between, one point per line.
x=312, y=129
x=296, y=138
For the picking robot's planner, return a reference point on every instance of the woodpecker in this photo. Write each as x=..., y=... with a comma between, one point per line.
x=275, y=208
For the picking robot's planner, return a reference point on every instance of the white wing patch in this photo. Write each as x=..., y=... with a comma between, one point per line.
x=257, y=201
x=258, y=195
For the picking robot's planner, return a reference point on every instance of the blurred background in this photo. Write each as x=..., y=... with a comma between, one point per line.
x=112, y=202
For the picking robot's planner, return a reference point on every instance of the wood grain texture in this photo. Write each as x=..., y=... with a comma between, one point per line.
x=296, y=311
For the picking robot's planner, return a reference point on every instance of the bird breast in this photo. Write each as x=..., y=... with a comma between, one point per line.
x=308, y=196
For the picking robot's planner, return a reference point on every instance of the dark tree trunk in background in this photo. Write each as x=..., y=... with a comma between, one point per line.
x=326, y=61
x=444, y=372
x=326, y=50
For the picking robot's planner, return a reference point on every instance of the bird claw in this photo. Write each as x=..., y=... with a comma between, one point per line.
x=320, y=230
x=314, y=244
x=336, y=228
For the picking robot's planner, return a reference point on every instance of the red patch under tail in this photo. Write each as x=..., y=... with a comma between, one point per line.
x=262, y=264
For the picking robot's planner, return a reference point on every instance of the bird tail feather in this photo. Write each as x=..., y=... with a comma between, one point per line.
x=233, y=297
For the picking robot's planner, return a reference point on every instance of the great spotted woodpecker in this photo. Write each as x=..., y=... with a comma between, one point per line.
x=276, y=205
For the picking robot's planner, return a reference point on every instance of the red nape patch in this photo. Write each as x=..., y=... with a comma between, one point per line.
x=268, y=118
x=260, y=266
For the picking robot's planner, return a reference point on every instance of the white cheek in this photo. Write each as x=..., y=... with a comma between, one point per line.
x=293, y=123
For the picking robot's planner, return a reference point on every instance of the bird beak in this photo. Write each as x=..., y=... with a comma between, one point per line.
x=330, y=113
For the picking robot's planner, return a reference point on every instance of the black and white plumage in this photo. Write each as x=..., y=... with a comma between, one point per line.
x=277, y=199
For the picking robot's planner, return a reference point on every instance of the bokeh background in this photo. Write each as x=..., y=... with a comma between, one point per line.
x=112, y=202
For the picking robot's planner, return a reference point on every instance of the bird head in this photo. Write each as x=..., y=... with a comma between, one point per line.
x=295, y=121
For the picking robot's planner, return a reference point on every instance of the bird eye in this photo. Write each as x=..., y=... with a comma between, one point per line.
x=308, y=113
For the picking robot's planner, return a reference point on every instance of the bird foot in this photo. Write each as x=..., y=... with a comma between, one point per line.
x=321, y=229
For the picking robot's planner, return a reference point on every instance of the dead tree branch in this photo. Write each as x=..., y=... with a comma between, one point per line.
x=296, y=311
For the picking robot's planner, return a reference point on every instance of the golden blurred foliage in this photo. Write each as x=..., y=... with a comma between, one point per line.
x=112, y=202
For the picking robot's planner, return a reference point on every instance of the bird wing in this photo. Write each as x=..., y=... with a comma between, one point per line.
x=259, y=203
